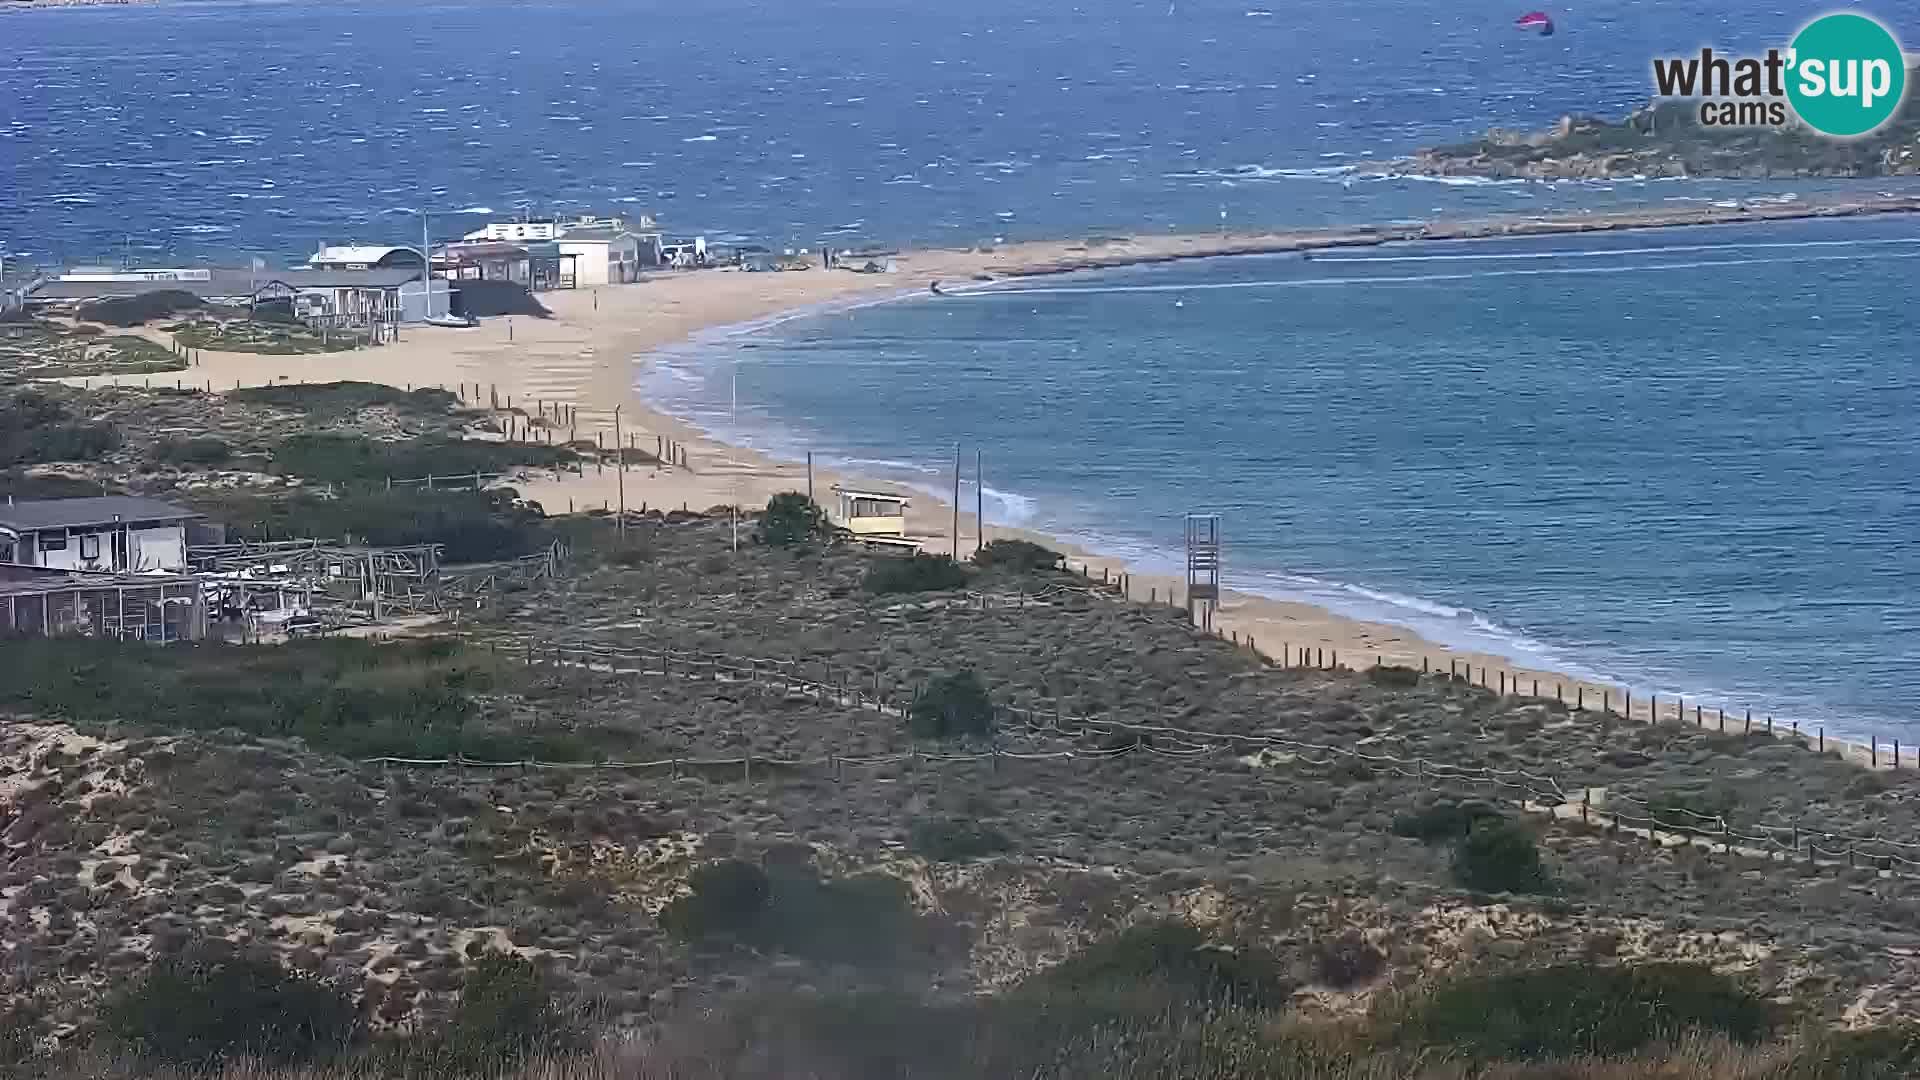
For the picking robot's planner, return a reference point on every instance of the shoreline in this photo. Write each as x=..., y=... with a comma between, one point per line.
x=600, y=346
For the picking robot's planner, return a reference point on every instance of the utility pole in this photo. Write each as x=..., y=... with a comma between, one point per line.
x=620, y=477
x=733, y=422
x=956, y=502
x=979, y=500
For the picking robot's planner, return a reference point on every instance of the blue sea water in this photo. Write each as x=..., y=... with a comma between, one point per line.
x=1682, y=460
x=179, y=129
x=1691, y=469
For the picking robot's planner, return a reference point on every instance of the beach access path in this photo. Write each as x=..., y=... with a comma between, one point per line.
x=588, y=356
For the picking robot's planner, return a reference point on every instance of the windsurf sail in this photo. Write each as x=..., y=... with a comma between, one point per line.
x=1535, y=22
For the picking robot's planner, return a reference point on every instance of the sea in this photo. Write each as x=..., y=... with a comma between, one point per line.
x=1684, y=461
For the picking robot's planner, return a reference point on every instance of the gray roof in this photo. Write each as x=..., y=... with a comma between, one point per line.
x=386, y=277
x=592, y=236
x=220, y=283
x=30, y=516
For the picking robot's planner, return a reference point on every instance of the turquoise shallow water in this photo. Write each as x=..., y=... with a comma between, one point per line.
x=1682, y=460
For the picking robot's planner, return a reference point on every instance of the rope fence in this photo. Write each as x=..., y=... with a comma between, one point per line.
x=1799, y=841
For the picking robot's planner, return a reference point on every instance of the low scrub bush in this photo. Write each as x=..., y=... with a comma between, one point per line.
x=950, y=706
x=125, y=311
x=506, y=1013
x=865, y=919
x=204, y=450
x=1393, y=676
x=1021, y=556
x=1174, y=956
x=1346, y=960
x=916, y=573
x=727, y=897
x=1498, y=855
x=470, y=526
x=35, y=429
x=952, y=840
x=214, y=1003
x=337, y=398
x=790, y=518
x=354, y=697
x=1445, y=820
x=1872, y=1054
x=353, y=461
x=1576, y=1009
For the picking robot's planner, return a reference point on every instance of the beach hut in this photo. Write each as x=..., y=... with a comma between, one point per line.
x=871, y=513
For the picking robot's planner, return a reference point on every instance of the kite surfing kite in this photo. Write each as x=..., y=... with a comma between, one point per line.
x=1535, y=22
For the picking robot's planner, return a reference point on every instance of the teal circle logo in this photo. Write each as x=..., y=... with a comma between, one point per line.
x=1846, y=75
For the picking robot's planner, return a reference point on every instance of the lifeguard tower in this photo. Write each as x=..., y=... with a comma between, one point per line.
x=874, y=517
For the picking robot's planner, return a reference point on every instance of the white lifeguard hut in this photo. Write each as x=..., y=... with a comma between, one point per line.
x=876, y=517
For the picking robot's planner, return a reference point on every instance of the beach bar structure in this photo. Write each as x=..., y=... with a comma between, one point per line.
x=40, y=603
x=111, y=533
x=870, y=513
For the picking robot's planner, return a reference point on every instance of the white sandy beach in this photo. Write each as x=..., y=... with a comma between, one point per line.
x=588, y=357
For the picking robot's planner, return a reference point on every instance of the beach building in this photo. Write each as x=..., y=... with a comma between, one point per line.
x=159, y=608
x=484, y=260
x=229, y=286
x=647, y=247
x=602, y=256
x=364, y=257
x=350, y=299
x=113, y=534
x=870, y=513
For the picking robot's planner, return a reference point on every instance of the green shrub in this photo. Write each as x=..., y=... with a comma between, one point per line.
x=1498, y=855
x=950, y=706
x=916, y=573
x=339, y=398
x=865, y=919
x=952, y=840
x=214, y=1003
x=506, y=1013
x=471, y=526
x=1176, y=956
x=409, y=698
x=1882, y=1053
x=204, y=450
x=1346, y=960
x=134, y=310
x=1443, y=820
x=1394, y=676
x=354, y=461
x=1576, y=1009
x=35, y=429
x=727, y=897
x=790, y=518
x=1020, y=556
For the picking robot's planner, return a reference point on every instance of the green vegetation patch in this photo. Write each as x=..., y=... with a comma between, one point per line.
x=790, y=518
x=471, y=526
x=340, y=398
x=865, y=920
x=351, y=696
x=916, y=573
x=1020, y=556
x=215, y=1003
x=955, y=840
x=354, y=461
x=267, y=338
x=950, y=706
x=1176, y=956
x=35, y=429
x=1577, y=1009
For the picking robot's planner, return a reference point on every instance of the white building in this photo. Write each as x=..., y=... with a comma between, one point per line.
x=114, y=533
x=601, y=256
x=363, y=257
